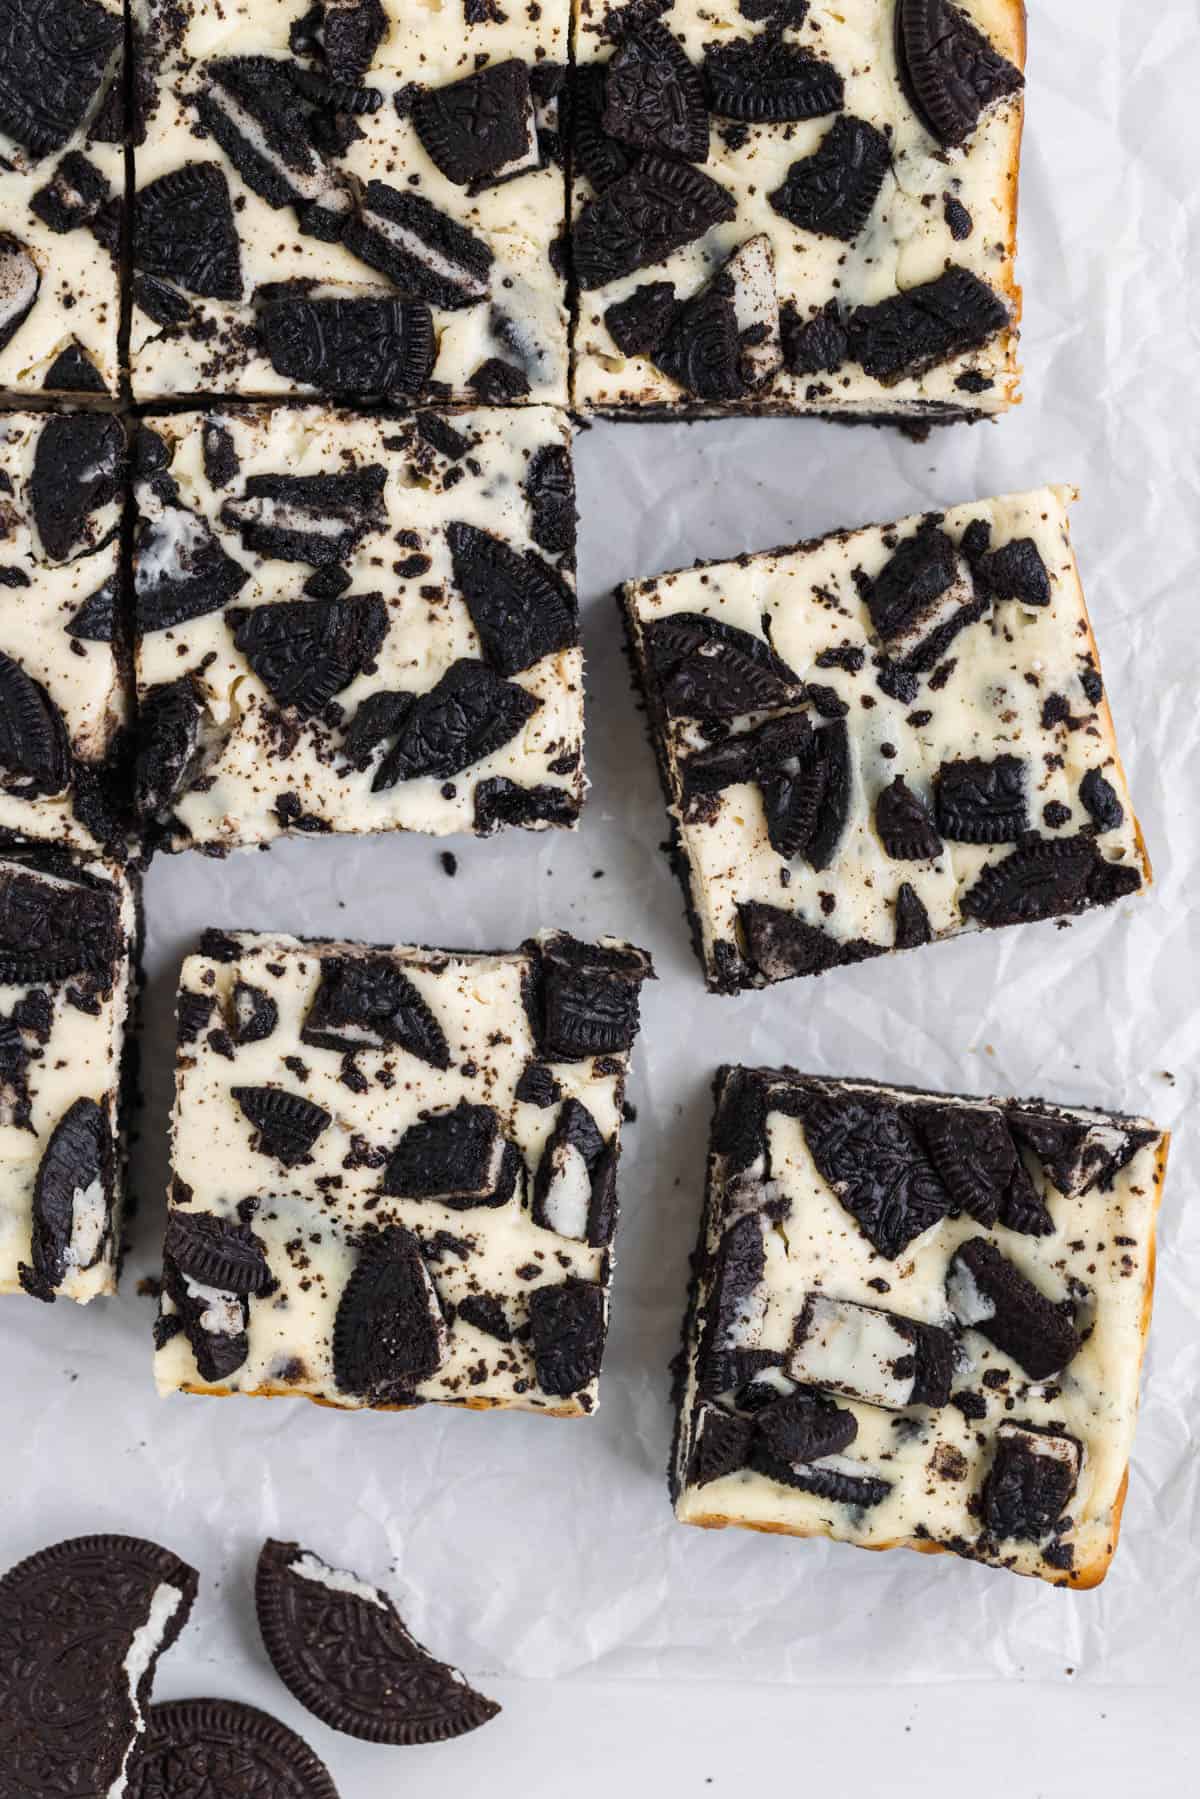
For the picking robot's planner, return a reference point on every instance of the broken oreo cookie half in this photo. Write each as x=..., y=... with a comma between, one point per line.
x=342, y=1649
x=197, y=1747
x=82, y=1627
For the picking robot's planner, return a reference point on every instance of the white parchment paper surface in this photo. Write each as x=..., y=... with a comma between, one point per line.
x=530, y=1548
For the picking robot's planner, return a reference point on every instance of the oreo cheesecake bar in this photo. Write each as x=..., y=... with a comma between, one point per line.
x=64, y=658
x=356, y=624
x=69, y=929
x=803, y=208
x=357, y=198
x=394, y=1171
x=62, y=181
x=884, y=737
x=917, y=1321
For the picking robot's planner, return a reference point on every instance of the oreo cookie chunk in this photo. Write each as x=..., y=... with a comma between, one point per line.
x=61, y=182
x=64, y=704
x=752, y=121
x=356, y=207
x=874, y=740
x=196, y=1745
x=83, y=1625
x=940, y=1396
x=390, y=599
x=342, y=1649
x=394, y=1172
x=67, y=931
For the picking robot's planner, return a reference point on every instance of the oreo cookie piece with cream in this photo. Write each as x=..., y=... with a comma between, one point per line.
x=364, y=208
x=885, y=737
x=931, y=1384
x=354, y=624
x=375, y=1200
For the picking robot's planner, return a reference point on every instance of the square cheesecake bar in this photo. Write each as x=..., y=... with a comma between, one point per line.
x=394, y=1171
x=917, y=1320
x=69, y=933
x=64, y=654
x=62, y=185
x=360, y=197
x=351, y=623
x=803, y=208
x=884, y=737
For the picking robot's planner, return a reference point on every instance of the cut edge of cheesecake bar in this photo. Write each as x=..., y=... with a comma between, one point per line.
x=718, y=976
x=1080, y=1577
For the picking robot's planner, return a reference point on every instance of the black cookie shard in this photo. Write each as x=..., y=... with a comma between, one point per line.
x=194, y=1748
x=253, y=1014
x=469, y=715
x=804, y=1427
x=76, y=471
x=704, y=668
x=73, y=196
x=214, y=1320
x=1031, y=1481
x=55, y=55
x=720, y=1444
x=815, y=346
x=767, y=80
x=181, y=570
x=1016, y=572
x=806, y=796
x=20, y=280
x=74, y=372
x=184, y=232
x=871, y=1157
x=217, y=1252
x=599, y=158
x=35, y=751
x=779, y=944
x=833, y=192
x=363, y=346
x=424, y=252
x=520, y=606
x=912, y=920
x=638, y=324
x=305, y=651
x=1099, y=799
x=653, y=96
x=342, y=1649
x=366, y=1003
x=72, y=1687
x=574, y=1188
x=950, y=71
x=656, y=207
x=914, y=330
x=568, y=1325
x=480, y=129
x=921, y=598
x=903, y=824
x=977, y=1161
x=988, y=1293
x=389, y=1334
x=585, y=997
x=1045, y=878
x=499, y=801
x=286, y=1125
x=457, y=1157
x=72, y=1199
x=50, y=934
x=168, y=745
x=982, y=800
x=549, y=488
x=317, y=519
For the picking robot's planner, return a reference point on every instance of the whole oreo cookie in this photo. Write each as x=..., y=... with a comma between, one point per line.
x=72, y=1684
x=341, y=1647
x=197, y=1748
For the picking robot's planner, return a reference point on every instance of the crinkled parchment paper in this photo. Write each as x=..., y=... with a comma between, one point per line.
x=532, y=1548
